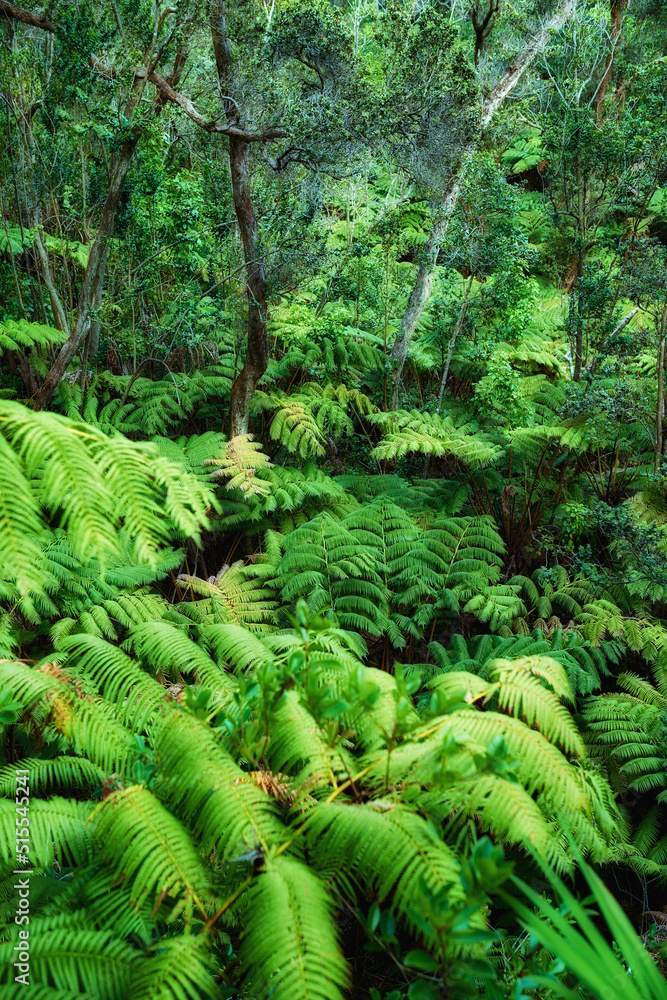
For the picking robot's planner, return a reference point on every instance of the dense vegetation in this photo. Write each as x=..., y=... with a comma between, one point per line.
x=333, y=498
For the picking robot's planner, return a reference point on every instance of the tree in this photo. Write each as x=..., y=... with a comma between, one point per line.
x=392, y=113
x=81, y=329
x=422, y=288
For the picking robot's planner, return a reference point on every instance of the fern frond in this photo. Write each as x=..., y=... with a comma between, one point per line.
x=297, y=747
x=58, y=831
x=382, y=846
x=149, y=846
x=45, y=774
x=205, y=784
x=67, y=962
x=92, y=484
x=89, y=724
x=17, y=334
x=427, y=434
x=290, y=950
x=238, y=464
x=158, y=643
x=521, y=692
x=179, y=968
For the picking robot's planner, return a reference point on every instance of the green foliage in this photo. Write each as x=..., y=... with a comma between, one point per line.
x=140, y=407
x=429, y=434
x=296, y=702
x=193, y=788
x=19, y=334
x=627, y=968
x=91, y=484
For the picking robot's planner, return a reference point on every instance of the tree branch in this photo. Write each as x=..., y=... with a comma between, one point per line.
x=221, y=128
x=27, y=17
x=13, y=13
x=534, y=47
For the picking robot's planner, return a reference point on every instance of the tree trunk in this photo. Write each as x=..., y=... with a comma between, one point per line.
x=595, y=363
x=90, y=296
x=660, y=406
x=576, y=291
x=22, y=163
x=483, y=28
x=60, y=320
x=452, y=341
x=93, y=281
x=660, y=403
x=257, y=351
x=617, y=10
x=421, y=290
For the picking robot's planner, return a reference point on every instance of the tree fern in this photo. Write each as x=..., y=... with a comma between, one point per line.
x=205, y=783
x=234, y=596
x=583, y=663
x=46, y=774
x=385, y=846
x=287, y=777
x=181, y=967
x=282, y=498
x=91, y=483
x=335, y=567
x=238, y=464
x=294, y=425
x=65, y=962
x=19, y=334
x=630, y=727
x=87, y=723
x=428, y=434
x=58, y=831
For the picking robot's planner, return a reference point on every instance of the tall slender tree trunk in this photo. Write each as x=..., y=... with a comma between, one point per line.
x=93, y=281
x=660, y=437
x=660, y=405
x=421, y=290
x=458, y=326
x=576, y=294
x=617, y=10
x=257, y=349
x=577, y=322
x=90, y=296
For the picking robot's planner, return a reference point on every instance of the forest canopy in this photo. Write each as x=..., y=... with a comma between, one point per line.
x=333, y=500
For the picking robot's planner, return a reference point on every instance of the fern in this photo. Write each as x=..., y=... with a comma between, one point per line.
x=181, y=967
x=69, y=962
x=282, y=779
x=427, y=434
x=152, y=850
x=19, y=334
x=92, y=484
x=235, y=595
x=336, y=568
x=630, y=727
x=142, y=408
x=384, y=846
x=582, y=662
x=294, y=425
x=285, y=497
x=286, y=907
x=241, y=459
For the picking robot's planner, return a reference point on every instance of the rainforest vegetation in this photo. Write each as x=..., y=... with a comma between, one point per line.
x=333, y=499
